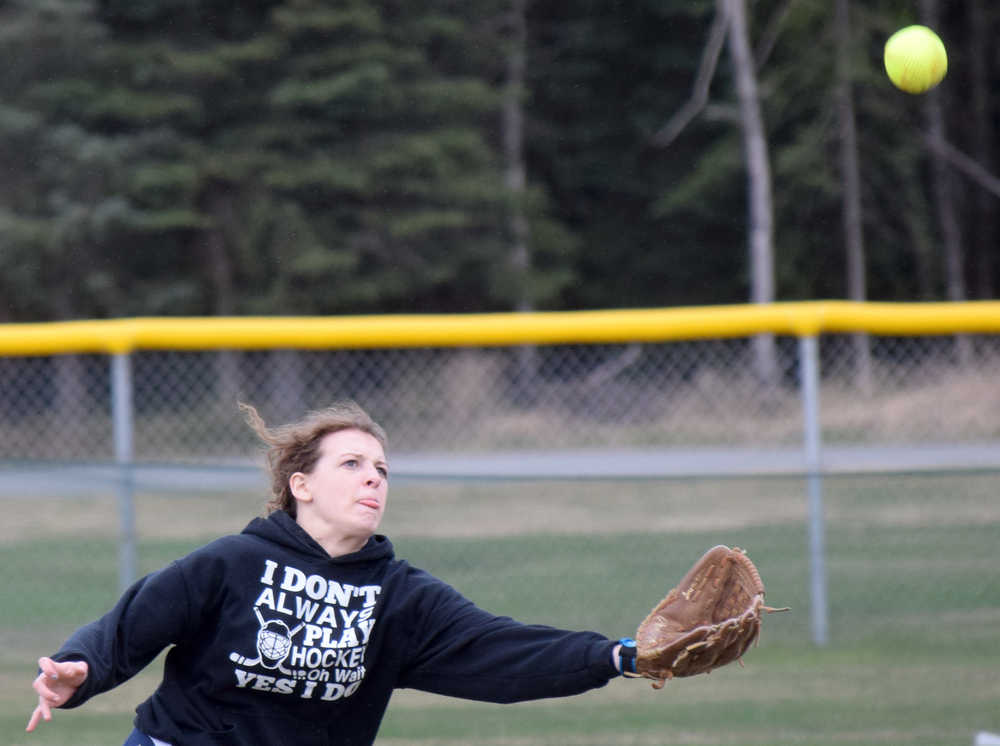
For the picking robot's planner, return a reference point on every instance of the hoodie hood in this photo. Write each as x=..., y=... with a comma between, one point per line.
x=281, y=529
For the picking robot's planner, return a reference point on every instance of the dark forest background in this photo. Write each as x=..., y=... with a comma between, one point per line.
x=206, y=157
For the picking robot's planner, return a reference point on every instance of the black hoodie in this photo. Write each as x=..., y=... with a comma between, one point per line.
x=275, y=642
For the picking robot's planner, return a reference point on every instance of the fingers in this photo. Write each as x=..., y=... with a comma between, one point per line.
x=68, y=672
x=64, y=675
x=42, y=712
x=49, y=675
x=55, y=685
x=46, y=696
x=47, y=681
x=49, y=667
x=74, y=672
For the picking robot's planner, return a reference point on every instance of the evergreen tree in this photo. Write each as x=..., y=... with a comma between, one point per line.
x=312, y=156
x=58, y=196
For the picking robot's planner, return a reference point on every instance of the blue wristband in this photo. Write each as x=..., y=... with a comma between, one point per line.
x=626, y=657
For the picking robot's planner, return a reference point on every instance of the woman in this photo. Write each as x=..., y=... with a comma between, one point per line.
x=297, y=630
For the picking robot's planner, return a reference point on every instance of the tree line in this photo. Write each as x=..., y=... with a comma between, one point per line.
x=207, y=157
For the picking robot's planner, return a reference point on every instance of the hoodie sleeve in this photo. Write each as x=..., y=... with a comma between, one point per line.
x=459, y=650
x=149, y=616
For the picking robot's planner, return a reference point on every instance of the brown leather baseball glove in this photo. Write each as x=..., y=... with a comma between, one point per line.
x=707, y=621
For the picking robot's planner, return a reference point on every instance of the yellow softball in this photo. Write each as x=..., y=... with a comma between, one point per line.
x=915, y=59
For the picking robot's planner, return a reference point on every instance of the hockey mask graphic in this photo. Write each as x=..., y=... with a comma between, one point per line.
x=274, y=643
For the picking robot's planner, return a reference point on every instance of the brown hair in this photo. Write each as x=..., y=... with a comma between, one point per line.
x=295, y=446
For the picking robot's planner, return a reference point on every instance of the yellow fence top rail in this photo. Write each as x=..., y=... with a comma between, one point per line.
x=806, y=318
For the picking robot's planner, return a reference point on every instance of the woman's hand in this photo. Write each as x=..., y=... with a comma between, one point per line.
x=55, y=685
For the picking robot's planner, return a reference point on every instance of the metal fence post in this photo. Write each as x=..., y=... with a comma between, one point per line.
x=121, y=428
x=809, y=371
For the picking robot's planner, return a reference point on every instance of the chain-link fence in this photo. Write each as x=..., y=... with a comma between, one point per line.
x=467, y=400
x=537, y=479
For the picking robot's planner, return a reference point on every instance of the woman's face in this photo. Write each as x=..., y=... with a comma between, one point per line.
x=345, y=493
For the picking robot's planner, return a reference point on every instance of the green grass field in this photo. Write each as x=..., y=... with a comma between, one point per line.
x=914, y=655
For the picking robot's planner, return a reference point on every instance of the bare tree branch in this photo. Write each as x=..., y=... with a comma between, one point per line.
x=967, y=165
x=771, y=31
x=699, y=95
